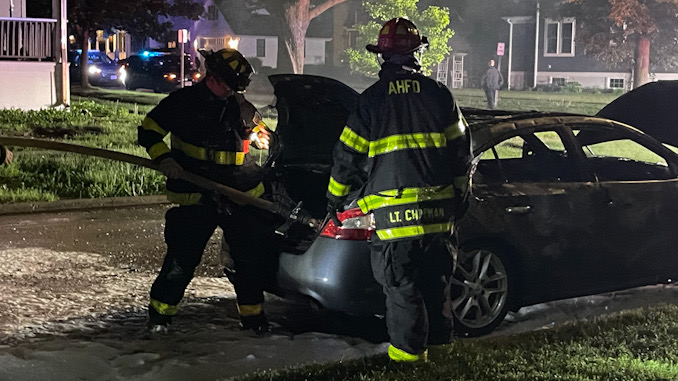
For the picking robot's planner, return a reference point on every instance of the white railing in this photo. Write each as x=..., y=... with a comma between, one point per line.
x=26, y=38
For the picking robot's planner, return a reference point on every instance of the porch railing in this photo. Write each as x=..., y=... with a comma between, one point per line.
x=27, y=38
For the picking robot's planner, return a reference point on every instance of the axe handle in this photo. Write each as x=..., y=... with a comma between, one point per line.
x=233, y=194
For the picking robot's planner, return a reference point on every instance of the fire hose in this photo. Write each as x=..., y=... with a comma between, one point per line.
x=292, y=215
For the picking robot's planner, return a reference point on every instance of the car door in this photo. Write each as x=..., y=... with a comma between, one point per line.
x=532, y=198
x=639, y=214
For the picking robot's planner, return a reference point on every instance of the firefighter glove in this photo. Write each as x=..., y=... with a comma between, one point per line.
x=170, y=168
x=332, y=212
x=261, y=137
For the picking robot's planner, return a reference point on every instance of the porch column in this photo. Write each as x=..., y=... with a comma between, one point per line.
x=63, y=87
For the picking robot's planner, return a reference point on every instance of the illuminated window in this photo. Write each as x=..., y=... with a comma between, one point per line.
x=559, y=38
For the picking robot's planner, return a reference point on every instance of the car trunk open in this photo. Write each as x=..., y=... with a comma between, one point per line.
x=312, y=112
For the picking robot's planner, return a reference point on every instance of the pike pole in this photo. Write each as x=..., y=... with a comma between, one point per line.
x=292, y=215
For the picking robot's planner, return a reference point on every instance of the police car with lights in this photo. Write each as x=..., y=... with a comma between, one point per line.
x=157, y=71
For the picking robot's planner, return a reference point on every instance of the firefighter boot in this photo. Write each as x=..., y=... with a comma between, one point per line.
x=257, y=323
x=158, y=323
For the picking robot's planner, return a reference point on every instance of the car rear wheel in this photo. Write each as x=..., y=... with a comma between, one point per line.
x=480, y=291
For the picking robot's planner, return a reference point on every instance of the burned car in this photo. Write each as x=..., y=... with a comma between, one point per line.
x=562, y=206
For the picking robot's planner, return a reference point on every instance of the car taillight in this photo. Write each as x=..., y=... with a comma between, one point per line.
x=355, y=226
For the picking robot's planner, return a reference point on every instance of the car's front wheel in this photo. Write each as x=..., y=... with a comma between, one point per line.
x=480, y=290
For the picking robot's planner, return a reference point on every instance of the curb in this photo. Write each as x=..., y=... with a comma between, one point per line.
x=80, y=204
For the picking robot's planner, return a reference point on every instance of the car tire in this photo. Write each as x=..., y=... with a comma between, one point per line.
x=481, y=288
x=129, y=85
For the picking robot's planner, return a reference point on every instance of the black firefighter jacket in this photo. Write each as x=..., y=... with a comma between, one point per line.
x=411, y=138
x=208, y=138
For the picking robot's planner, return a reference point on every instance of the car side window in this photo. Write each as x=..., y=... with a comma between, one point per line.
x=616, y=156
x=530, y=156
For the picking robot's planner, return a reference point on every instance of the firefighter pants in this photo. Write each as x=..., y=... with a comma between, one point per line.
x=415, y=277
x=250, y=234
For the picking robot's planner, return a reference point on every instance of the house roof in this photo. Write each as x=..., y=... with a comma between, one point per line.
x=247, y=20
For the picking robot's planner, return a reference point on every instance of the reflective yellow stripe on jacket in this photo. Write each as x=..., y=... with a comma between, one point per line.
x=159, y=148
x=338, y=189
x=201, y=153
x=353, y=140
x=405, y=196
x=417, y=141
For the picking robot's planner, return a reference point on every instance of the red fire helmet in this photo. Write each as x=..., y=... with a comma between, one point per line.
x=398, y=35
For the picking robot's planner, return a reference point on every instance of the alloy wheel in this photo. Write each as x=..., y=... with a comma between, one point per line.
x=479, y=290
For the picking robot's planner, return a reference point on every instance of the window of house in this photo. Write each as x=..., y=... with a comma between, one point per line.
x=558, y=81
x=559, y=38
x=261, y=47
x=352, y=38
x=616, y=83
x=212, y=13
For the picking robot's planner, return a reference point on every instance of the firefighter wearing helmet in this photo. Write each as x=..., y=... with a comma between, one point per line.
x=409, y=145
x=211, y=126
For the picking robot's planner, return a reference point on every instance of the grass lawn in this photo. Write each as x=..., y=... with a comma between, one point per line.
x=636, y=345
x=588, y=104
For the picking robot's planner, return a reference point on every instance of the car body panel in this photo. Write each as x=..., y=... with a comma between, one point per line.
x=324, y=271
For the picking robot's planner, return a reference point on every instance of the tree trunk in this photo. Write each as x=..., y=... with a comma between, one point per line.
x=297, y=17
x=642, y=70
x=84, y=75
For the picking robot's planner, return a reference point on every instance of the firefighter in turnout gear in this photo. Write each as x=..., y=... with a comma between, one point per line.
x=410, y=137
x=211, y=126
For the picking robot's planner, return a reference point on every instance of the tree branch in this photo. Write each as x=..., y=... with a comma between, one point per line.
x=319, y=9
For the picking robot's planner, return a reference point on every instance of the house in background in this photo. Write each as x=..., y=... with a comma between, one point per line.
x=252, y=31
x=543, y=51
x=33, y=67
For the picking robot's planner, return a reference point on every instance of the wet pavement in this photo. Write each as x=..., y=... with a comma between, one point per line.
x=129, y=238
x=74, y=289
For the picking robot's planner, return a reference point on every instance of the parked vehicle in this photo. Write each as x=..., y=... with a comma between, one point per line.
x=158, y=71
x=101, y=69
x=562, y=206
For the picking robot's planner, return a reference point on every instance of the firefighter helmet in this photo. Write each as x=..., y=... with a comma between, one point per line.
x=229, y=66
x=398, y=35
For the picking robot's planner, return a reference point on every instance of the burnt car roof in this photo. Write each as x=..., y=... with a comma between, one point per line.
x=488, y=125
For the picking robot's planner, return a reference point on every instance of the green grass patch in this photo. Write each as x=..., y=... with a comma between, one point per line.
x=588, y=104
x=637, y=345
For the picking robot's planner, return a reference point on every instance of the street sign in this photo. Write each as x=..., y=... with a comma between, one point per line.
x=183, y=36
x=500, y=48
